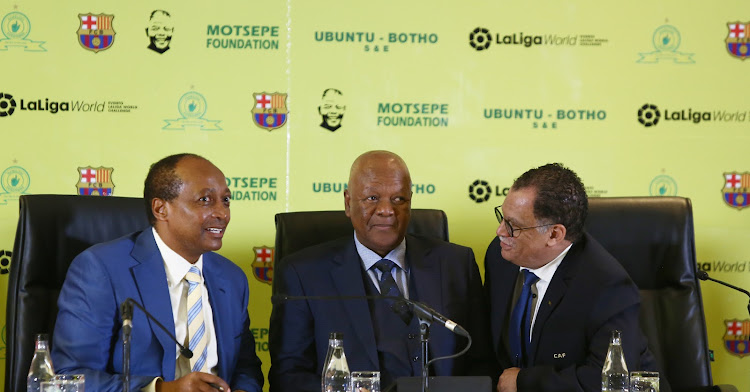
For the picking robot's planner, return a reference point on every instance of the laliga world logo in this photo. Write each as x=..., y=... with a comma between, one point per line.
x=649, y=115
x=480, y=191
x=16, y=27
x=480, y=38
x=7, y=104
x=5, y=257
x=263, y=264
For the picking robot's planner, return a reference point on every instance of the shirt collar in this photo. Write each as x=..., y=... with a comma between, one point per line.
x=369, y=258
x=175, y=265
x=547, y=271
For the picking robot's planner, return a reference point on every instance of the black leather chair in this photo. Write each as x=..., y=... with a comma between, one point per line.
x=653, y=239
x=298, y=230
x=52, y=230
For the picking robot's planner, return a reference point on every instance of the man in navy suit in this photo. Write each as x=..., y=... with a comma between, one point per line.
x=577, y=292
x=187, y=201
x=379, y=258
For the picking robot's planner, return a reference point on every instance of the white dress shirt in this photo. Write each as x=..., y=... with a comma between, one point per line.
x=177, y=267
x=397, y=255
x=545, y=274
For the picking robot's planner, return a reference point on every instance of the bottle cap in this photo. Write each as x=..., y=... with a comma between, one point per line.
x=336, y=335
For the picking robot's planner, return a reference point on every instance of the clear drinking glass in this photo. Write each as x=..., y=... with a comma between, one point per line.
x=64, y=383
x=643, y=381
x=366, y=381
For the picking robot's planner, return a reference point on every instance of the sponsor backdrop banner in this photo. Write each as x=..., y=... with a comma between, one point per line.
x=639, y=98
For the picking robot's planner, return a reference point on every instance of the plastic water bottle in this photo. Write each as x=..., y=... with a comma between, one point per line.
x=41, y=365
x=336, y=376
x=615, y=371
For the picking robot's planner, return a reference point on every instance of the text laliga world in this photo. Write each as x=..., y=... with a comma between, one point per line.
x=64, y=106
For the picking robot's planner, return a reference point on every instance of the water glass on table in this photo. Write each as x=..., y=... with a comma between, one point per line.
x=64, y=383
x=367, y=381
x=643, y=381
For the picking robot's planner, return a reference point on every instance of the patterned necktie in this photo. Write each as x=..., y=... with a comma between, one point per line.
x=520, y=320
x=198, y=342
x=389, y=287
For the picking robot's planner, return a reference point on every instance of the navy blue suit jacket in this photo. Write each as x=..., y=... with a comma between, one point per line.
x=87, y=336
x=443, y=275
x=589, y=296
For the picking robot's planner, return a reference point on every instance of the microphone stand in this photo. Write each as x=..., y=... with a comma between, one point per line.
x=703, y=275
x=126, y=310
x=126, y=361
x=424, y=339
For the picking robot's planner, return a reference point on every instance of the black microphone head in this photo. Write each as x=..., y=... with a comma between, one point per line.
x=185, y=352
x=702, y=275
x=126, y=310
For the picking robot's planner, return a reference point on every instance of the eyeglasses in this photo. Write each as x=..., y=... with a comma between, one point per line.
x=514, y=232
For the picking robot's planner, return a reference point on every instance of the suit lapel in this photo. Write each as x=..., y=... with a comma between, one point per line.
x=425, y=278
x=347, y=264
x=220, y=305
x=555, y=293
x=425, y=285
x=502, y=293
x=151, y=282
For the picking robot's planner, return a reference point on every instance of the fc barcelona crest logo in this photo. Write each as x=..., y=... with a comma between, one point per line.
x=738, y=40
x=95, y=32
x=736, y=189
x=263, y=264
x=736, y=337
x=95, y=181
x=269, y=111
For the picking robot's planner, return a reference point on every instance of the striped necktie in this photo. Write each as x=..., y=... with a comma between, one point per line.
x=198, y=342
x=389, y=287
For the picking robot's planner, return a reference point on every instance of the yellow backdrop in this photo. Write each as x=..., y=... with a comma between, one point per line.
x=640, y=98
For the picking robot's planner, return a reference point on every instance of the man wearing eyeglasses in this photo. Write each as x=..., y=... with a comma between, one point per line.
x=555, y=294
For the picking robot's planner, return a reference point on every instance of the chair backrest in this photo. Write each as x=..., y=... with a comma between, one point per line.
x=52, y=230
x=653, y=239
x=298, y=230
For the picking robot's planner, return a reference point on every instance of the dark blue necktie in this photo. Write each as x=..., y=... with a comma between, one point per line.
x=520, y=321
x=389, y=287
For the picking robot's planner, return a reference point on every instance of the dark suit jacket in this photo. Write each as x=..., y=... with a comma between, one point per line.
x=87, y=337
x=589, y=296
x=443, y=275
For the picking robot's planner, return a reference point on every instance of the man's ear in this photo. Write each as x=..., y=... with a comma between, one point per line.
x=160, y=209
x=556, y=235
x=347, y=200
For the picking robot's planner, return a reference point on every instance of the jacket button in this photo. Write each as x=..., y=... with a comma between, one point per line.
x=415, y=359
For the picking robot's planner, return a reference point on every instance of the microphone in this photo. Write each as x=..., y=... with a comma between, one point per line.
x=422, y=310
x=703, y=275
x=126, y=313
x=429, y=314
x=184, y=351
